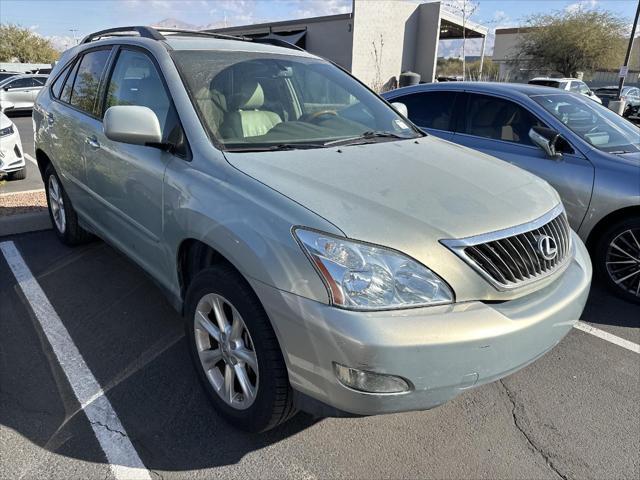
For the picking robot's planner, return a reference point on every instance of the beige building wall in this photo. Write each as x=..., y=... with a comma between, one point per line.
x=332, y=40
x=389, y=28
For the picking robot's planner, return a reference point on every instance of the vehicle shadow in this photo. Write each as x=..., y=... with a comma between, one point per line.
x=134, y=345
x=606, y=309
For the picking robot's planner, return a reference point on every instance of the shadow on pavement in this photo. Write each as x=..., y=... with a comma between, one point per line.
x=133, y=343
x=606, y=309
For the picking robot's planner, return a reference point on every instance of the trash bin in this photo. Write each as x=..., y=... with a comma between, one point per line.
x=409, y=78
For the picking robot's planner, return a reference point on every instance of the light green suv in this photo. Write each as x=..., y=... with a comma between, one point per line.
x=326, y=254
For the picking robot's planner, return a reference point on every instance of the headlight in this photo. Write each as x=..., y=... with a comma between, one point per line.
x=6, y=131
x=368, y=277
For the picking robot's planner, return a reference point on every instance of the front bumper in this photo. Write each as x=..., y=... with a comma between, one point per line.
x=440, y=350
x=11, y=154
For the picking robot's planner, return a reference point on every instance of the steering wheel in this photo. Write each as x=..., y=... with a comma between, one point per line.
x=315, y=115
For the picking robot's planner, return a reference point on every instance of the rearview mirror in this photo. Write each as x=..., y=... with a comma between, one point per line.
x=546, y=139
x=401, y=108
x=132, y=124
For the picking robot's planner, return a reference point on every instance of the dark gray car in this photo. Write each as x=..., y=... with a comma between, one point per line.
x=588, y=153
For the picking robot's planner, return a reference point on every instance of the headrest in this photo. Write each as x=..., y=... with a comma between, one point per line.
x=249, y=96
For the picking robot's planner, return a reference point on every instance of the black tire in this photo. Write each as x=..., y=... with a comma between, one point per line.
x=626, y=290
x=73, y=233
x=19, y=175
x=273, y=403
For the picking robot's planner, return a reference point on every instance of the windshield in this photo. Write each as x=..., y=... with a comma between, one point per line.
x=249, y=100
x=594, y=123
x=548, y=83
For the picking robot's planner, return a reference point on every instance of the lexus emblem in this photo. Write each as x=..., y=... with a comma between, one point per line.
x=547, y=247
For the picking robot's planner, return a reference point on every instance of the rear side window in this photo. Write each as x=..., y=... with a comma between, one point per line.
x=430, y=109
x=65, y=96
x=87, y=81
x=56, y=88
x=499, y=119
x=21, y=83
x=39, y=81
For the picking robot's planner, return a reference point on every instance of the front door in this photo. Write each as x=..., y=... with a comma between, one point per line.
x=500, y=127
x=127, y=180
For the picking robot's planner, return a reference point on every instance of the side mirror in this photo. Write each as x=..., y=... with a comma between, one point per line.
x=401, y=108
x=546, y=139
x=6, y=89
x=132, y=124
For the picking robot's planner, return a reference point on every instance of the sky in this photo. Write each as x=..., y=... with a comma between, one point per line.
x=64, y=20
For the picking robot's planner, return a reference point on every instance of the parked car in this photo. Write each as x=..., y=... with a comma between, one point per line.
x=585, y=151
x=19, y=91
x=326, y=254
x=569, y=84
x=631, y=95
x=12, y=163
x=5, y=74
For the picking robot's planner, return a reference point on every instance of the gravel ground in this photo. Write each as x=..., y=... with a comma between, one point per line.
x=22, y=202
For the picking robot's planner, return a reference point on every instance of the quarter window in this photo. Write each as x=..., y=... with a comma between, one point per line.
x=87, y=81
x=430, y=109
x=56, y=88
x=500, y=119
x=65, y=96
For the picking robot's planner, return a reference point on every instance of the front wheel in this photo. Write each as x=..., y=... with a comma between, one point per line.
x=235, y=351
x=618, y=258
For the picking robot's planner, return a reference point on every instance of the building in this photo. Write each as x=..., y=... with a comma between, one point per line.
x=377, y=41
x=505, y=52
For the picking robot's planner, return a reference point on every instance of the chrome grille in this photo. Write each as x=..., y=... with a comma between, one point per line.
x=514, y=257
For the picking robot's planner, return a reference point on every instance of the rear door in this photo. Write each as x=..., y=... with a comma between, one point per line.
x=500, y=127
x=72, y=117
x=432, y=111
x=127, y=180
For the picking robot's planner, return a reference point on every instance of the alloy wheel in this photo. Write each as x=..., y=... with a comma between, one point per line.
x=56, y=202
x=226, y=351
x=623, y=261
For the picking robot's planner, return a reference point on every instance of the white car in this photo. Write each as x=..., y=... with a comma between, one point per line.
x=570, y=84
x=19, y=91
x=12, y=163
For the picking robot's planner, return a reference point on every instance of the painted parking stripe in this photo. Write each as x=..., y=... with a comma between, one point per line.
x=31, y=159
x=621, y=342
x=124, y=461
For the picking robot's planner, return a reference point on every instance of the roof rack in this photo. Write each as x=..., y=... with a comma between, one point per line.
x=146, y=32
x=155, y=34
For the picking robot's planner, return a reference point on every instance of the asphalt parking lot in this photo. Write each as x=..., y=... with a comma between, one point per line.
x=33, y=180
x=575, y=413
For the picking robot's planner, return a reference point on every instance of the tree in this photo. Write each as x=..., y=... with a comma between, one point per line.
x=465, y=9
x=18, y=44
x=571, y=42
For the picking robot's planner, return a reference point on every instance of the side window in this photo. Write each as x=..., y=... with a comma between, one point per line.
x=430, y=109
x=583, y=88
x=500, y=119
x=65, y=96
x=20, y=83
x=39, y=81
x=56, y=88
x=575, y=87
x=136, y=81
x=85, y=88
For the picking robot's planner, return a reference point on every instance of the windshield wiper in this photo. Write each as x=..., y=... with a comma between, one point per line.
x=275, y=148
x=369, y=135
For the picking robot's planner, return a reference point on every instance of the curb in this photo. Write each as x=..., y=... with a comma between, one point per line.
x=24, y=223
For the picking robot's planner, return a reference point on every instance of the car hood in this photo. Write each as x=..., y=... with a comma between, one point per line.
x=4, y=121
x=395, y=193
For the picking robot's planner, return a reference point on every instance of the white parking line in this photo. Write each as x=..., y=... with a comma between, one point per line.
x=31, y=159
x=621, y=342
x=124, y=461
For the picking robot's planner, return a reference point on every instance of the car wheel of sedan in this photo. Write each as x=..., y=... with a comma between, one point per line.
x=19, y=175
x=618, y=259
x=235, y=351
x=63, y=216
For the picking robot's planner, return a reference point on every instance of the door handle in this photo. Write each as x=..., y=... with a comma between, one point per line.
x=50, y=118
x=92, y=142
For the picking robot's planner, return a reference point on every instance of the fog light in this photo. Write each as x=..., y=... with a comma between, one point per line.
x=368, y=381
